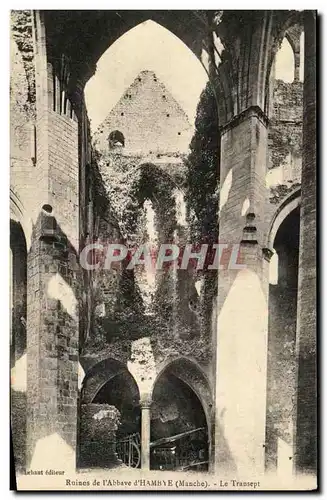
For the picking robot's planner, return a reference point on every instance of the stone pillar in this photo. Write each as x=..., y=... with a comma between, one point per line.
x=145, y=434
x=242, y=306
x=52, y=276
x=306, y=419
x=297, y=62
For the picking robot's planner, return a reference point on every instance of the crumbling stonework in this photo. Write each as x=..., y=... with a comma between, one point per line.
x=285, y=140
x=18, y=427
x=283, y=181
x=22, y=34
x=149, y=118
x=99, y=424
x=22, y=111
x=281, y=372
x=148, y=178
x=129, y=179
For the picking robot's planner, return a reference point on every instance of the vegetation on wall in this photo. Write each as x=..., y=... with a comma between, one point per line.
x=179, y=313
x=203, y=177
x=21, y=30
x=285, y=135
x=203, y=168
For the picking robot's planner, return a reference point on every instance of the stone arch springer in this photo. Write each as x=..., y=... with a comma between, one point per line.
x=287, y=205
x=101, y=373
x=19, y=214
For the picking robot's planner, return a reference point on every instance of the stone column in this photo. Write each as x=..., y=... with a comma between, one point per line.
x=145, y=434
x=52, y=276
x=297, y=62
x=242, y=306
x=306, y=419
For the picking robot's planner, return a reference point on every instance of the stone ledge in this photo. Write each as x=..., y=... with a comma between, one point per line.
x=252, y=111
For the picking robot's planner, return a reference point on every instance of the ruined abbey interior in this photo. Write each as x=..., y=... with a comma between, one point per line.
x=179, y=369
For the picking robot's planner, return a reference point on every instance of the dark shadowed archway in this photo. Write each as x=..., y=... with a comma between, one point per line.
x=18, y=290
x=18, y=305
x=281, y=367
x=109, y=387
x=180, y=418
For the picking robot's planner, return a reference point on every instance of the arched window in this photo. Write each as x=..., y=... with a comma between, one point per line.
x=284, y=63
x=116, y=139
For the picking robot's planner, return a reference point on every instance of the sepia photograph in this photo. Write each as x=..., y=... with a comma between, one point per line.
x=163, y=250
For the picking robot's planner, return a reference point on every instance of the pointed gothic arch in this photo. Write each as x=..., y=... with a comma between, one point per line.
x=165, y=63
x=281, y=366
x=285, y=62
x=181, y=414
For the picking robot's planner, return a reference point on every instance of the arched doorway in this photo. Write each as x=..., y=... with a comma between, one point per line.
x=18, y=290
x=281, y=368
x=18, y=305
x=109, y=417
x=179, y=420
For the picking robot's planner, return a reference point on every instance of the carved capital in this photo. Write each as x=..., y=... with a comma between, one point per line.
x=250, y=112
x=145, y=402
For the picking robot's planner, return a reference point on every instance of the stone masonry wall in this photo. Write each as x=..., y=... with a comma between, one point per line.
x=22, y=181
x=119, y=306
x=22, y=34
x=18, y=427
x=52, y=343
x=99, y=424
x=53, y=289
x=149, y=118
x=63, y=173
x=306, y=432
x=285, y=142
x=23, y=173
x=283, y=178
x=177, y=322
